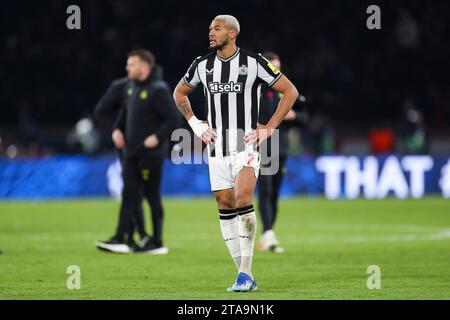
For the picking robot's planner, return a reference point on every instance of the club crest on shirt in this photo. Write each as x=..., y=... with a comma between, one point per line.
x=243, y=70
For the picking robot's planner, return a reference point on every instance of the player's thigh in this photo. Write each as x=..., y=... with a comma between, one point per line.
x=244, y=186
x=245, y=171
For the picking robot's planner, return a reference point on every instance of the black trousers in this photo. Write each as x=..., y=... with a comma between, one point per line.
x=137, y=218
x=268, y=194
x=141, y=174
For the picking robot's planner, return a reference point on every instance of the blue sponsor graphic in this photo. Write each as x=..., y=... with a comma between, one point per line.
x=372, y=177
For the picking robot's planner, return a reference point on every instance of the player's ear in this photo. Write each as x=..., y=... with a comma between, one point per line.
x=233, y=33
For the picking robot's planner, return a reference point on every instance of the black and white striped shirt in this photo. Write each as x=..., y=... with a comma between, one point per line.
x=232, y=93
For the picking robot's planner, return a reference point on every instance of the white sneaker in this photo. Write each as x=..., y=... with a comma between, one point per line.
x=113, y=247
x=160, y=250
x=261, y=246
x=150, y=247
x=269, y=241
x=278, y=249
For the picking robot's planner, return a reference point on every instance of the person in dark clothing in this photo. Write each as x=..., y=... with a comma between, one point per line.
x=269, y=185
x=110, y=104
x=141, y=131
x=106, y=113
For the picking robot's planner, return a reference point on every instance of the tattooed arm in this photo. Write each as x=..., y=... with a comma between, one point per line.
x=180, y=95
x=200, y=128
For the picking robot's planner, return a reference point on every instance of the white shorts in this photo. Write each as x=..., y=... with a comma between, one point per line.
x=223, y=170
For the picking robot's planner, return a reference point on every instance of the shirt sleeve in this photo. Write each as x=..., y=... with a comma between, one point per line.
x=120, y=121
x=109, y=105
x=191, y=77
x=266, y=71
x=111, y=102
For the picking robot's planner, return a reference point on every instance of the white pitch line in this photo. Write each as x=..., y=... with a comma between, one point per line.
x=441, y=235
x=413, y=233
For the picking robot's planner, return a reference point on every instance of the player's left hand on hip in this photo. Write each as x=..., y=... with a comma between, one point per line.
x=261, y=134
x=151, y=141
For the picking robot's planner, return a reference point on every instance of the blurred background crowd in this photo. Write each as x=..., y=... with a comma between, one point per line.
x=368, y=91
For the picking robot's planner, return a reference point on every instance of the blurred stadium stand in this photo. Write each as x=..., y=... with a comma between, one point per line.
x=357, y=81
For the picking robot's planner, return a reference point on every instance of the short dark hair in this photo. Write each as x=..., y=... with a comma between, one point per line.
x=270, y=55
x=143, y=54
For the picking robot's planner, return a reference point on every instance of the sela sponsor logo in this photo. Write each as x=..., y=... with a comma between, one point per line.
x=229, y=87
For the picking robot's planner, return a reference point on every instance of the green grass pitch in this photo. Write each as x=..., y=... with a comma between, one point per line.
x=329, y=246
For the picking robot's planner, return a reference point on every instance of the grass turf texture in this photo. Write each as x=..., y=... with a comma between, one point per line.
x=329, y=245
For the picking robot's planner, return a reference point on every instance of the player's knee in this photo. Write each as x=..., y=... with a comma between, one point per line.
x=243, y=200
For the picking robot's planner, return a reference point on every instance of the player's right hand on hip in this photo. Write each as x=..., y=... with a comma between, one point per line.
x=202, y=130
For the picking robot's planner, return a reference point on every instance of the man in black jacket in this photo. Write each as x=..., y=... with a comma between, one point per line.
x=106, y=113
x=141, y=131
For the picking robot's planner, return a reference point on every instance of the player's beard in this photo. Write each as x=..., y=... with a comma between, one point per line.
x=219, y=46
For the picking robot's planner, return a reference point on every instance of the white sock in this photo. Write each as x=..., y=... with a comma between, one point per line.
x=246, y=265
x=247, y=235
x=230, y=233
